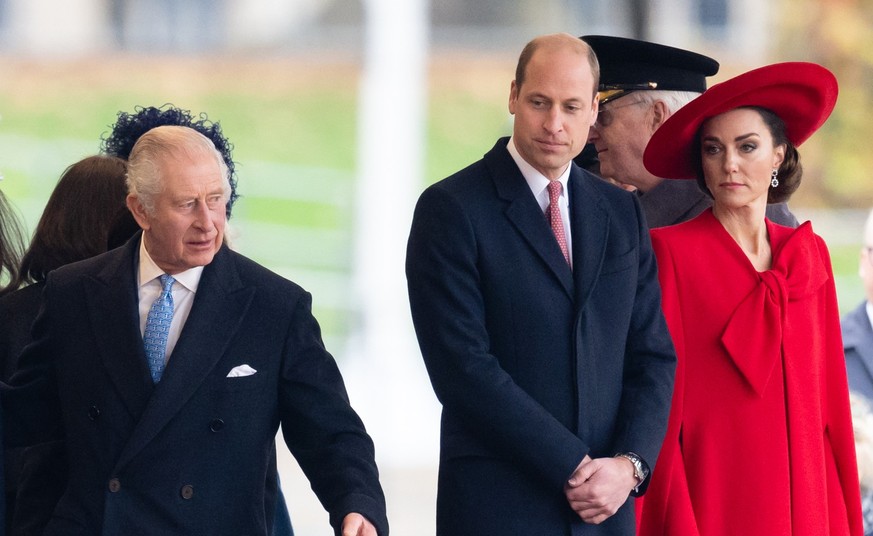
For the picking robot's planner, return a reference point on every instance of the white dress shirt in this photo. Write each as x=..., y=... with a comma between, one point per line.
x=150, y=289
x=539, y=186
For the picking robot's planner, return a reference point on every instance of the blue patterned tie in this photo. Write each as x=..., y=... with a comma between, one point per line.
x=158, y=327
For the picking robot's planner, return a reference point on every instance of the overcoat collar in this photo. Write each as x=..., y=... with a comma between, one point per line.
x=673, y=201
x=219, y=306
x=588, y=220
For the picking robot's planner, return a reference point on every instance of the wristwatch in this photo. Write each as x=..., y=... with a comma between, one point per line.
x=641, y=470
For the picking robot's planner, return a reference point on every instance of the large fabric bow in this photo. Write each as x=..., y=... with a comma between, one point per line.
x=753, y=336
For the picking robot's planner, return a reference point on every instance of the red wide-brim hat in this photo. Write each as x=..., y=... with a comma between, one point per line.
x=802, y=94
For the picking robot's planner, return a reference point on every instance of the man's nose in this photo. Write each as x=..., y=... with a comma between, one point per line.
x=554, y=120
x=593, y=133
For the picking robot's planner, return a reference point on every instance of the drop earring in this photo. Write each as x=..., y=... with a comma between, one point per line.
x=774, y=182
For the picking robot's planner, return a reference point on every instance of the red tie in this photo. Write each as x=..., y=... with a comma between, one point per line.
x=554, y=213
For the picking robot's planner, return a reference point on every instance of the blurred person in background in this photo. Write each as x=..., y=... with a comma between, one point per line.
x=534, y=296
x=760, y=440
x=862, y=424
x=858, y=324
x=129, y=127
x=75, y=224
x=641, y=85
x=87, y=200
x=11, y=245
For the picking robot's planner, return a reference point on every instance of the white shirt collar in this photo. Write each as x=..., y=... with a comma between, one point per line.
x=148, y=270
x=538, y=182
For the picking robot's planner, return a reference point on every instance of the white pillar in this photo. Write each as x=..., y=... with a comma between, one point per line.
x=385, y=372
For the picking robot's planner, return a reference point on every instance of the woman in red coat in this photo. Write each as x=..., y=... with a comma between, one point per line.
x=760, y=436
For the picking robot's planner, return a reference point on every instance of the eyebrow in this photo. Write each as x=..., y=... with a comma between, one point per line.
x=538, y=95
x=738, y=138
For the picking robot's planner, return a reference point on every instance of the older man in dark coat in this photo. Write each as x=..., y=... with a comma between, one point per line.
x=167, y=366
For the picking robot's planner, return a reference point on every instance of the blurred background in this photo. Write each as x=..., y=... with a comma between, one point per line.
x=342, y=111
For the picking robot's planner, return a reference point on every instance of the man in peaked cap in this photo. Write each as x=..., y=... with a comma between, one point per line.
x=641, y=85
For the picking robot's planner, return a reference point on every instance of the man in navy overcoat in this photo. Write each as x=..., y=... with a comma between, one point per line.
x=555, y=372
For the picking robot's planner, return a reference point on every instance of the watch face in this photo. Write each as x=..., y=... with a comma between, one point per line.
x=643, y=471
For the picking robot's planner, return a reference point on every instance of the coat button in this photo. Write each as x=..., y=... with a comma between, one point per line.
x=187, y=491
x=216, y=425
x=93, y=413
x=114, y=485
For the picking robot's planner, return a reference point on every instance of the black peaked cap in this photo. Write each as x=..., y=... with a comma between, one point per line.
x=631, y=64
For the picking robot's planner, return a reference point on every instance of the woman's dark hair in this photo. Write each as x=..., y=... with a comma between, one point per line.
x=129, y=127
x=790, y=171
x=11, y=246
x=76, y=221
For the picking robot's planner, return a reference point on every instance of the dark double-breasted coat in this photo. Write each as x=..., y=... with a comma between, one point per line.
x=535, y=365
x=193, y=453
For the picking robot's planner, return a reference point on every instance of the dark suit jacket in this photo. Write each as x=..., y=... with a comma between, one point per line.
x=858, y=345
x=676, y=200
x=192, y=454
x=535, y=365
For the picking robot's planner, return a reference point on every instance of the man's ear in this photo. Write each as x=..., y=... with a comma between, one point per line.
x=513, y=97
x=595, y=109
x=138, y=210
x=660, y=113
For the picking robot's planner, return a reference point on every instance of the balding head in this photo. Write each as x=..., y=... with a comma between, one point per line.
x=553, y=42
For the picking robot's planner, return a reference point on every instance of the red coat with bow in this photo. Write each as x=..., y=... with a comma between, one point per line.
x=760, y=437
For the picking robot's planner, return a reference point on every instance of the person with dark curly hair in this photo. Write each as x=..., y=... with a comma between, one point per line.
x=130, y=126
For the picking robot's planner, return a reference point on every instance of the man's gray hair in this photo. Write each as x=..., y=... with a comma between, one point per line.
x=143, y=166
x=672, y=99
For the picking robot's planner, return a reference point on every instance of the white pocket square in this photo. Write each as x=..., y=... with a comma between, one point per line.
x=240, y=371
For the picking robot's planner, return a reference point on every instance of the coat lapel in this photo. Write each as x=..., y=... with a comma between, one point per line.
x=859, y=334
x=590, y=227
x=219, y=307
x=525, y=214
x=112, y=303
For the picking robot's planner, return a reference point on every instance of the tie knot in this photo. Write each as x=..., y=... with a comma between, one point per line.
x=555, y=188
x=167, y=282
